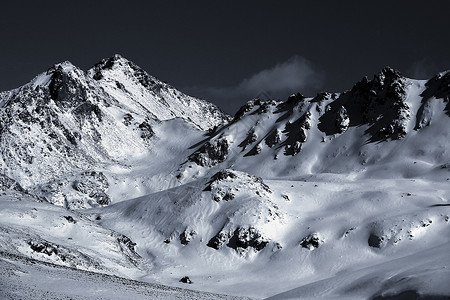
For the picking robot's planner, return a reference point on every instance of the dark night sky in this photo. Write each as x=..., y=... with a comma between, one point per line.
x=232, y=51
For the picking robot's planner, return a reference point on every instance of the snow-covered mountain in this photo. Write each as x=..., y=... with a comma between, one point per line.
x=389, y=122
x=66, y=123
x=342, y=195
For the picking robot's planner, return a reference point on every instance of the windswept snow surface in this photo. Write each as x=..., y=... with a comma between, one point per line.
x=24, y=278
x=110, y=171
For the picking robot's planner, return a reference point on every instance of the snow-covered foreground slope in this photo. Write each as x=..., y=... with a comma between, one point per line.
x=305, y=230
x=31, y=279
x=340, y=196
x=422, y=275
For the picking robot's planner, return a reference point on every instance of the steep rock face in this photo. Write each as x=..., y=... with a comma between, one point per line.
x=296, y=134
x=212, y=152
x=379, y=102
x=437, y=89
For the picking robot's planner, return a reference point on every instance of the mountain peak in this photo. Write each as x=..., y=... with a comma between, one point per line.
x=110, y=62
x=146, y=93
x=387, y=74
x=65, y=66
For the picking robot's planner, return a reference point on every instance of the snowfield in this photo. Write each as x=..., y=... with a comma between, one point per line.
x=116, y=182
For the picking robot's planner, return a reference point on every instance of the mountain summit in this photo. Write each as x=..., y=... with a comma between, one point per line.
x=145, y=94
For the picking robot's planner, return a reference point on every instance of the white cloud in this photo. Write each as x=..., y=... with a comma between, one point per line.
x=294, y=75
x=422, y=69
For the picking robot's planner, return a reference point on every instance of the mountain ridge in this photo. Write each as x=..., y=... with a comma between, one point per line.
x=113, y=171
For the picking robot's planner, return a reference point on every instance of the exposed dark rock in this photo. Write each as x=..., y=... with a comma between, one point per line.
x=244, y=237
x=146, y=131
x=70, y=219
x=186, y=279
x=223, y=174
x=222, y=185
x=86, y=110
x=219, y=240
x=246, y=108
x=410, y=295
x=93, y=184
x=255, y=150
x=296, y=134
x=323, y=96
x=437, y=89
x=311, y=241
x=127, y=247
x=43, y=247
x=342, y=120
x=26, y=117
x=7, y=183
x=104, y=64
x=376, y=241
x=250, y=139
x=127, y=119
x=120, y=86
x=264, y=107
x=186, y=236
x=273, y=138
x=73, y=257
x=65, y=90
x=100, y=197
x=287, y=107
x=211, y=153
x=126, y=241
x=379, y=103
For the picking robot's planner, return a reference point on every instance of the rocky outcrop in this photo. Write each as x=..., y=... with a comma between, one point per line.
x=7, y=183
x=296, y=133
x=187, y=235
x=212, y=152
x=437, y=89
x=87, y=189
x=379, y=103
x=127, y=247
x=394, y=231
x=225, y=184
x=186, y=279
x=250, y=139
x=311, y=242
x=243, y=237
x=67, y=256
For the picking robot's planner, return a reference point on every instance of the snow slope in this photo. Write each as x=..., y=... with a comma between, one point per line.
x=28, y=279
x=343, y=195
